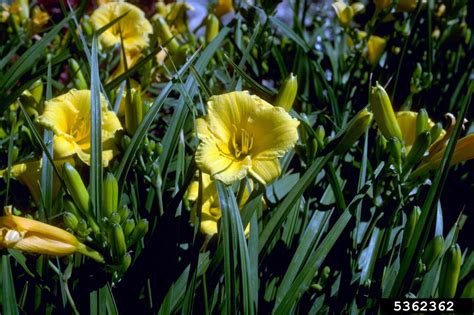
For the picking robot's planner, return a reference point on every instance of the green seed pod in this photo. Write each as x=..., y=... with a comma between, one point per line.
x=435, y=132
x=165, y=35
x=119, y=246
x=449, y=275
x=287, y=93
x=212, y=28
x=79, y=80
x=139, y=231
x=410, y=226
x=76, y=188
x=124, y=213
x=115, y=217
x=355, y=128
x=383, y=112
x=432, y=251
x=70, y=220
x=468, y=292
x=128, y=227
x=110, y=197
x=422, y=121
x=418, y=150
x=395, y=147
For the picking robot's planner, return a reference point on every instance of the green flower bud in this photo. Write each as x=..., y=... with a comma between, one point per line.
x=125, y=262
x=128, y=227
x=159, y=148
x=70, y=220
x=69, y=206
x=418, y=150
x=115, y=217
x=395, y=147
x=422, y=121
x=435, y=132
x=110, y=196
x=126, y=140
x=410, y=226
x=133, y=111
x=124, y=213
x=380, y=147
x=383, y=112
x=320, y=133
x=82, y=228
x=76, y=188
x=165, y=35
x=432, y=251
x=119, y=246
x=355, y=128
x=449, y=275
x=79, y=80
x=139, y=232
x=287, y=94
x=212, y=28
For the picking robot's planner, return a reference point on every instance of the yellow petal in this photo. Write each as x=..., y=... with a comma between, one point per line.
x=63, y=147
x=202, y=129
x=344, y=12
x=407, y=122
x=274, y=132
x=265, y=171
x=223, y=7
x=38, y=245
x=375, y=48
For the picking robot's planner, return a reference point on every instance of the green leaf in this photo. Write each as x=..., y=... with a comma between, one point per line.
x=9, y=304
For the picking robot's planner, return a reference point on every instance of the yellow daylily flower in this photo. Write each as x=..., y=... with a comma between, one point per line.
x=29, y=174
x=223, y=7
x=134, y=26
x=174, y=13
x=211, y=212
x=242, y=134
x=37, y=237
x=375, y=48
x=407, y=123
x=132, y=60
x=69, y=117
x=345, y=13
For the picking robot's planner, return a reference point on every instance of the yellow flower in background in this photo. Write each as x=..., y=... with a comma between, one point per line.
x=175, y=14
x=242, y=134
x=211, y=212
x=223, y=7
x=345, y=13
x=375, y=48
x=40, y=238
x=407, y=123
x=69, y=117
x=40, y=18
x=29, y=174
x=133, y=26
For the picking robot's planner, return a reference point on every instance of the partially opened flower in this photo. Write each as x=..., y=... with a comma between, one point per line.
x=345, y=13
x=133, y=27
x=37, y=237
x=69, y=116
x=242, y=134
x=29, y=174
x=210, y=211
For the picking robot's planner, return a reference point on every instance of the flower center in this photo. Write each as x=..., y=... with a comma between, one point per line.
x=242, y=142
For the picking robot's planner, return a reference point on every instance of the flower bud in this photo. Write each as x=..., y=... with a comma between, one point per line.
x=36, y=90
x=119, y=246
x=287, y=94
x=432, y=251
x=468, y=292
x=410, y=226
x=128, y=227
x=212, y=28
x=79, y=81
x=69, y=206
x=76, y=188
x=435, y=132
x=82, y=229
x=115, y=217
x=139, y=232
x=383, y=112
x=110, y=196
x=380, y=147
x=165, y=35
x=124, y=213
x=125, y=262
x=355, y=128
x=449, y=275
x=70, y=220
x=133, y=111
x=418, y=150
x=422, y=121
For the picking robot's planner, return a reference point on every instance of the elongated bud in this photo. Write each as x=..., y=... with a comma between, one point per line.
x=70, y=220
x=128, y=227
x=287, y=94
x=125, y=262
x=119, y=245
x=419, y=148
x=79, y=81
x=110, y=194
x=395, y=147
x=124, y=213
x=383, y=112
x=355, y=128
x=468, y=292
x=412, y=220
x=139, y=231
x=435, y=132
x=165, y=35
x=432, y=251
x=422, y=121
x=76, y=188
x=449, y=275
x=115, y=217
x=133, y=111
x=380, y=147
x=82, y=229
x=320, y=133
x=69, y=206
x=212, y=28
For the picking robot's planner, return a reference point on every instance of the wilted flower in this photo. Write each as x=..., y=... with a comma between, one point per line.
x=133, y=27
x=211, y=212
x=243, y=134
x=40, y=238
x=375, y=48
x=223, y=7
x=69, y=116
x=345, y=12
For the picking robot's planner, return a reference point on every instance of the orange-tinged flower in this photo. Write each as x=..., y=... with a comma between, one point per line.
x=242, y=134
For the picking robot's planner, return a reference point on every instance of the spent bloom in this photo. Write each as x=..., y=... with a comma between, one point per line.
x=69, y=117
x=242, y=134
x=133, y=27
x=37, y=237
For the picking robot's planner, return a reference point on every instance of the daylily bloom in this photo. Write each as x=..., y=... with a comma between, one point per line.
x=69, y=117
x=29, y=174
x=407, y=123
x=345, y=13
x=37, y=237
x=211, y=212
x=223, y=7
x=133, y=27
x=242, y=134
x=375, y=48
